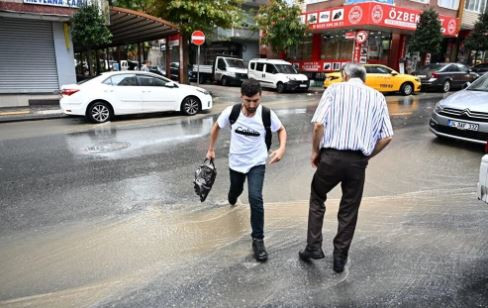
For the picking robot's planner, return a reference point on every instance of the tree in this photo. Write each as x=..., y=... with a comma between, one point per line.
x=205, y=15
x=280, y=23
x=89, y=31
x=428, y=36
x=478, y=38
x=139, y=5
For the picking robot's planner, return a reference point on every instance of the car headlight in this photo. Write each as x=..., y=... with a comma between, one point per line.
x=438, y=108
x=417, y=79
x=203, y=91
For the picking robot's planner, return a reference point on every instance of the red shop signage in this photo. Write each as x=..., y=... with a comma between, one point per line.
x=373, y=14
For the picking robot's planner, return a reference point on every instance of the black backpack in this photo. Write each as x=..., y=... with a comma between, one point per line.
x=266, y=117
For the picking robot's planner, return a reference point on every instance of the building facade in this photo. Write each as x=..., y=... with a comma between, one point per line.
x=368, y=32
x=36, y=50
x=469, y=16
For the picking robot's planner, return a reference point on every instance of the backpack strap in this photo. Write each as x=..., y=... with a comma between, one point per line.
x=234, y=114
x=266, y=117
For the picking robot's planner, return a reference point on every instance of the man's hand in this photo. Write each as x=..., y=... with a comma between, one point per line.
x=210, y=155
x=314, y=159
x=276, y=156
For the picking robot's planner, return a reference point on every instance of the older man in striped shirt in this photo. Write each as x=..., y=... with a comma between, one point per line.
x=351, y=125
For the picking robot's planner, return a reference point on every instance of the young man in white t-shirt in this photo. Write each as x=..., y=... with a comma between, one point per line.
x=248, y=154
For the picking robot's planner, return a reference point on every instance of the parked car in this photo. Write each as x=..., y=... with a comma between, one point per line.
x=157, y=70
x=277, y=74
x=225, y=70
x=381, y=78
x=445, y=76
x=127, y=92
x=464, y=114
x=483, y=180
x=480, y=69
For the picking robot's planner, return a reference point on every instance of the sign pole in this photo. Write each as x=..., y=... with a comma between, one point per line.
x=198, y=66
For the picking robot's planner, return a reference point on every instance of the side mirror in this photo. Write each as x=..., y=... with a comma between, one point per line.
x=394, y=73
x=171, y=84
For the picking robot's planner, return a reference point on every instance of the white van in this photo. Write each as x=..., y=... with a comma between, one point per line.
x=277, y=74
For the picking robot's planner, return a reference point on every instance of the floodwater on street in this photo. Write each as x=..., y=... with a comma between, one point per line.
x=106, y=216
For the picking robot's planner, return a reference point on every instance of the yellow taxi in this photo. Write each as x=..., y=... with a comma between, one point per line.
x=383, y=79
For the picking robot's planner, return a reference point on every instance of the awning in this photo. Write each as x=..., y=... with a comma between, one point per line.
x=129, y=26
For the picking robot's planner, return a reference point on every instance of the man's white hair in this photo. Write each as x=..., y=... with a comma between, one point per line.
x=353, y=70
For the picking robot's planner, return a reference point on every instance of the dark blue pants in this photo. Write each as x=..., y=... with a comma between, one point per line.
x=255, y=181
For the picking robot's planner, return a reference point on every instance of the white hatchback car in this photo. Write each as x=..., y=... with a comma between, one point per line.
x=483, y=180
x=128, y=92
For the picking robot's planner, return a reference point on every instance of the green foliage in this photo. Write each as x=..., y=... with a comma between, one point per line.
x=428, y=36
x=478, y=38
x=88, y=27
x=205, y=15
x=281, y=25
x=138, y=5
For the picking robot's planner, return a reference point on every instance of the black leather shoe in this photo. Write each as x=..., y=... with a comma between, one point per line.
x=308, y=254
x=260, y=253
x=339, y=264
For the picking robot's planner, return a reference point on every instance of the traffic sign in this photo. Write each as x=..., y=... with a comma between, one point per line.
x=361, y=37
x=198, y=37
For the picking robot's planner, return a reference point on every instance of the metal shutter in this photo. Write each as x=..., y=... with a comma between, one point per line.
x=27, y=56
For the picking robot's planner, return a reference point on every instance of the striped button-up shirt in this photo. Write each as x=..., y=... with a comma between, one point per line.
x=354, y=115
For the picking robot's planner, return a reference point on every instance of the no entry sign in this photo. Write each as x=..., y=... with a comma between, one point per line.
x=198, y=37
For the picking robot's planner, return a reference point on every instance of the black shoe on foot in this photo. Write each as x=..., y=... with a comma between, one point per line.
x=339, y=264
x=308, y=254
x=259, y=251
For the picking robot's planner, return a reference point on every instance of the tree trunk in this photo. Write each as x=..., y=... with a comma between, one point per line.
x=97, y=61
x=89, y=62
x=184, y=59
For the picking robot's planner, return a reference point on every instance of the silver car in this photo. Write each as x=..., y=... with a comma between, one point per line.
x=464, y=114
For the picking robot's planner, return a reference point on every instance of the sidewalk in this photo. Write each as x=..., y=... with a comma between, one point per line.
x=30, y=113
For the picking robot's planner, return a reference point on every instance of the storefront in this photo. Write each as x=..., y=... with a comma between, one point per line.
x=363, y=33
x=36, y=51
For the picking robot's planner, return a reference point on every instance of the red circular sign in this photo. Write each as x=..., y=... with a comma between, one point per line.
x=355, y=15
x=361, y=37
x=198, y=37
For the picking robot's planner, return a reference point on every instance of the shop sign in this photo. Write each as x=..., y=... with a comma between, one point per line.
x=392, y=2
x=373, y=14
x=61, y=3
x=351, y=35
x=311, y=66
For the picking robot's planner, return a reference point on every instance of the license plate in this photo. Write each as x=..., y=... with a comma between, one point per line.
x=463, y=125
x=303, y=85
x=421, y=76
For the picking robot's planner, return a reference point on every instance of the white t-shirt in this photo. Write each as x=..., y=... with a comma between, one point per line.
x=247, y=143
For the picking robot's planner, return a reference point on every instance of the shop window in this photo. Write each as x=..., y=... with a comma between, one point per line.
x=307, y=48
x=379, y=44
x=449, y=4
x=336, y=47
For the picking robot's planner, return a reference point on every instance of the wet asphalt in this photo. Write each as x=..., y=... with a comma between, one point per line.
x=105, y=215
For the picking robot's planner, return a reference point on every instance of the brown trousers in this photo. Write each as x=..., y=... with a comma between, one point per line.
x=347, y=168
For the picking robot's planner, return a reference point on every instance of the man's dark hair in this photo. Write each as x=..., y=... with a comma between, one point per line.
x=250, y=87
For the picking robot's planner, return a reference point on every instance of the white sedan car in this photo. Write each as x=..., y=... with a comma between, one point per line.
x=128, y=92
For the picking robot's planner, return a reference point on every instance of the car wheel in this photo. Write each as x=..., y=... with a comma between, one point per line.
x=446, y=86
x=406, y=89
x=224, y=81
x=190, y=105
x=99, y=112
x=280, y=87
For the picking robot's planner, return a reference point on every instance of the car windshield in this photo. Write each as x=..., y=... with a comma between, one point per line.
x=285, y=69
x=235, y=63
x=481, y=84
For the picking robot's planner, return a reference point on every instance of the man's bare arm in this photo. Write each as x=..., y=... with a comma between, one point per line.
x=214, y=134
x=380, y=145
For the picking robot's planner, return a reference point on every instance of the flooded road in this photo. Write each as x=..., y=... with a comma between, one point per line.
x=106, y=216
